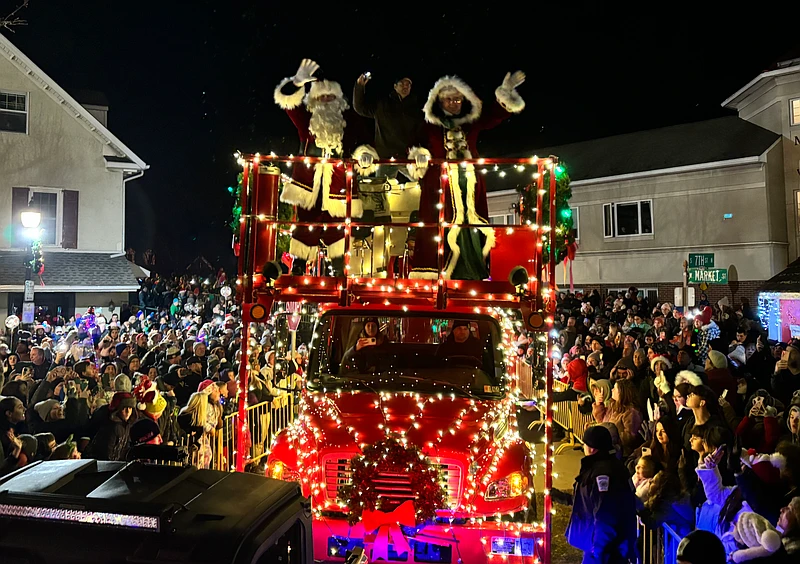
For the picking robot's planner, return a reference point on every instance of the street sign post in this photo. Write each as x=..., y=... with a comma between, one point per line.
x=709, y=276
x=678, y=297
x=28, y=297
x=701, y=260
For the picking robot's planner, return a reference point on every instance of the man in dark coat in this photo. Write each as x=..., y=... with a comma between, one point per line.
x=398, y=116
x=603, y=520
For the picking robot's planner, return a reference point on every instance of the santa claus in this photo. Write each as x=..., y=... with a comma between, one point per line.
x=318, y=191
x=455, y=117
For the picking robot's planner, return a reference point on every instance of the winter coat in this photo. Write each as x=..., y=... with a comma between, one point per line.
x=76, y=418
x=768, y=437
x=398, y=121
x=716, y=496
x=719, y=380
x=628, y=423
x=603, y=519
x=784, y=384
x=111, y=442
x=765, y=499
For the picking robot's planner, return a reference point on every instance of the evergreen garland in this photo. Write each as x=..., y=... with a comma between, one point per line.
x=285, y=213
x=565, y=235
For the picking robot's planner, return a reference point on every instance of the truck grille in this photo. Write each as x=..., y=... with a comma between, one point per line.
x=393, y=488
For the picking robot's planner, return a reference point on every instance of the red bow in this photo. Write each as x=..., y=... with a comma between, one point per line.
x=388, y=525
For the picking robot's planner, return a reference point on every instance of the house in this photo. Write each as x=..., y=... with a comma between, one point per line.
x=643, y=201
x=58, y=156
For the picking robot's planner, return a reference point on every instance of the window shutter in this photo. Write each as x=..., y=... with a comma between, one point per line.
x=69, y=224
x=608, y=220
x=19, y=202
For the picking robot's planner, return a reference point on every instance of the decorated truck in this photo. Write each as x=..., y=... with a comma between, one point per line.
x=406, y=438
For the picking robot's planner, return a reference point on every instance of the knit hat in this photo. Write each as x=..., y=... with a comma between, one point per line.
x=755, y=531
x=205, y=386
x=29, y=446
x=146, y=393
x=705, y=315
x=738, y=354
x=64, y=450
x=717, y=359
x=662, y=359
x=43, y=408
x=701, y=547
x=171, y=378
x=121, y=400
x=598, y=437
x=122, y=383
x=143, y=431
x=688, y=377
x=120, y=347
x=595, y=356
x=625, y=362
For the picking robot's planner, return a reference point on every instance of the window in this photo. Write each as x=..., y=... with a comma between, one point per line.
x=47, y=204
x=627, y=219
x=576, y=220
x=13, y=112
x=794, y=111
x=503, y=219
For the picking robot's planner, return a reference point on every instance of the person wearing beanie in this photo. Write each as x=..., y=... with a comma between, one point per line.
x=145, y=432
x=701, y=547
x=603, y=519
x=755, y=537
x=719, y=378
x=707, y=331
x=122, y=383
x=760, y=428
x=789, y=527
x=111, y=440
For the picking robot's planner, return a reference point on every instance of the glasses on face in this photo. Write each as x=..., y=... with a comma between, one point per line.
x=449, y=100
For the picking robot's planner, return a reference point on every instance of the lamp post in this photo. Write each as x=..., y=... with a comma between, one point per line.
x=30, y=221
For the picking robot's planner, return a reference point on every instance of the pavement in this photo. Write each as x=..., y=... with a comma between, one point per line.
x=565, y=468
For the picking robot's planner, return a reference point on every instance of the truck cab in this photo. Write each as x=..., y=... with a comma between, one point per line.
x=438, y=384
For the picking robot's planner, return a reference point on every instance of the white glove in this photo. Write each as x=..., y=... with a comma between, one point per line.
x=511, y=81
x=305, y=72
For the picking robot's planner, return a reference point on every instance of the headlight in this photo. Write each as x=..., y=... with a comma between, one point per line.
x=513, y=485
x=275, y=470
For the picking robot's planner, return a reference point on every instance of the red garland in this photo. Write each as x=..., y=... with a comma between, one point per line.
x=392, y=456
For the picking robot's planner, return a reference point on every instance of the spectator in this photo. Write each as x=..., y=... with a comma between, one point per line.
x=623, y=411
x=111, y=440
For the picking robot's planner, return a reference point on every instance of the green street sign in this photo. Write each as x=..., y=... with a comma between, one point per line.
x=709, y=276
x=701, y=260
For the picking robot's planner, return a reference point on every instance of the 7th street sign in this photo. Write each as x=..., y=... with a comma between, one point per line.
x=701, y=260
x=709, y=276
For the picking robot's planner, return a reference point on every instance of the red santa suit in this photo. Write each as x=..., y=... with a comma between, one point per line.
x=455, y=137
x=318, y=190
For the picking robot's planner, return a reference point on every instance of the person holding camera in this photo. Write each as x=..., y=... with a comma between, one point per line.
x=66, y=412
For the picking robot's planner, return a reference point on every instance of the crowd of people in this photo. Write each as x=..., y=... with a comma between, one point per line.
x=101, y=387
x=696, y=425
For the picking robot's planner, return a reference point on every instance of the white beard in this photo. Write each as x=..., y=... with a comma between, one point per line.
x=327, y=124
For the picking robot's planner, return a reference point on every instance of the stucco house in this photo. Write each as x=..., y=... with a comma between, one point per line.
x=729, y=186
x=58, y=156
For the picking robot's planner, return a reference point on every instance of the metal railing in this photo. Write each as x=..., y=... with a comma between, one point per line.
x=659, y=545
x=566, y=414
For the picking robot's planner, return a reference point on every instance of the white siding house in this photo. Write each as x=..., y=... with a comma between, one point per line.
x=59, y=157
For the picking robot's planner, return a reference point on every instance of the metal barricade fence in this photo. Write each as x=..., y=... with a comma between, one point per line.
x=264, y=421
x=657, y=546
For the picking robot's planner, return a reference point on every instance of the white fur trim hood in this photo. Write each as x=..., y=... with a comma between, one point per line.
x=688, y=377
x=288, y=101
x=663, y=359
x=452, y=82
x=365, y=150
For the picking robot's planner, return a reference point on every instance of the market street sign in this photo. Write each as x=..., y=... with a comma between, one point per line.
x=709, y=276
x=701, y=260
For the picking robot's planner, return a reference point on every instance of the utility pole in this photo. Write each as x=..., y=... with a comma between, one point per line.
x=685, y=287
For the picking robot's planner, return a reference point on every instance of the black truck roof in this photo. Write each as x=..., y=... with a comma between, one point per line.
x=107, y=512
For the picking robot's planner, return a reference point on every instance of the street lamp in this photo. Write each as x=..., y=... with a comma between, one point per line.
x=30, y=219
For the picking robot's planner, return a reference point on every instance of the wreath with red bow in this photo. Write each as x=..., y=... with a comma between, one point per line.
x=391, y=456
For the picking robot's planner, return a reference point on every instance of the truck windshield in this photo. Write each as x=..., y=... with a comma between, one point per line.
x=453, y=355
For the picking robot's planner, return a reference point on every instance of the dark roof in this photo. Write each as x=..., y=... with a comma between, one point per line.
x=89, y=97
x=787, y=280
x=700, y=142
x=116, y=159
x=69, y=269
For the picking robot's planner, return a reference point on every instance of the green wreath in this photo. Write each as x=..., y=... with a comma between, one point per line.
x=390, y=455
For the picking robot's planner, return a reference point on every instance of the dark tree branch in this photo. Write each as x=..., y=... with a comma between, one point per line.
x=11, y=20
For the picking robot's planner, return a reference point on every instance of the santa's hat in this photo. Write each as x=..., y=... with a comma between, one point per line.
x=323, y=88
x=688, y=377
x=148, y=398
x=766, y=466
x=756, y=532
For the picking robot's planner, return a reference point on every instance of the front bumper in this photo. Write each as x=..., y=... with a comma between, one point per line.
x=489, y=541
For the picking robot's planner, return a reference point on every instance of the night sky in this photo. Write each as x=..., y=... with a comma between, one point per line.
x=191, y=82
